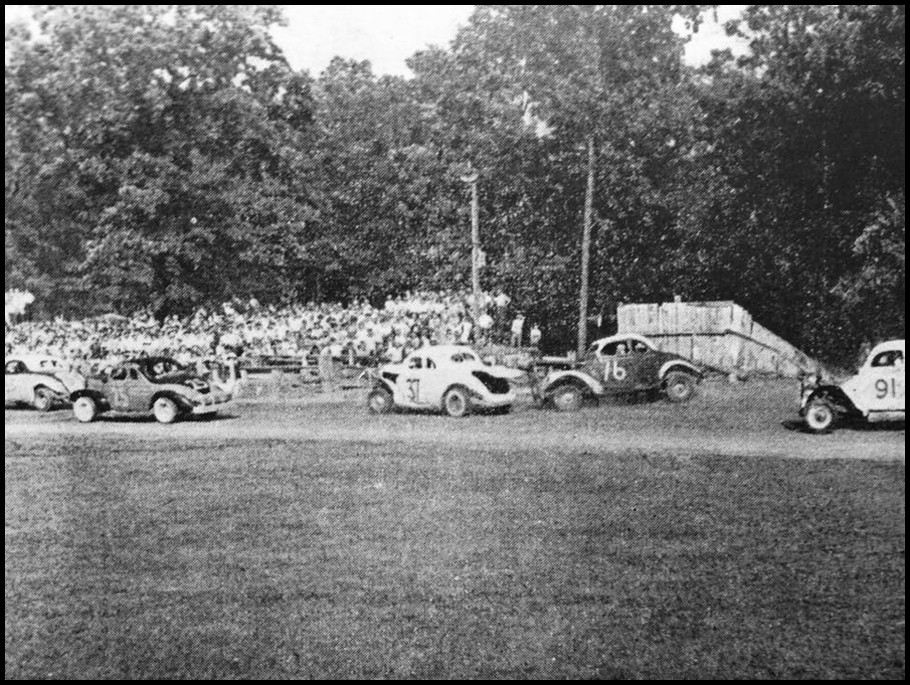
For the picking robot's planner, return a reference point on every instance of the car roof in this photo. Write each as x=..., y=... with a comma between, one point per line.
x=897, y=344
x=437, y=352
x=623, y=336
x=34, y=359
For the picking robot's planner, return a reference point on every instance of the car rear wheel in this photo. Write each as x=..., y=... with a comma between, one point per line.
x=85, y=409
x=567, y=398
x=165, y=410
x=456, y=403
x=679, y=386
x=820, y=416
x=379, y=401
x=43, y=399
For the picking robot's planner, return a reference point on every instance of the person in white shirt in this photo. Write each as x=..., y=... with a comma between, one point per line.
x=518, y=325
x=466, y=327
x=484, y=324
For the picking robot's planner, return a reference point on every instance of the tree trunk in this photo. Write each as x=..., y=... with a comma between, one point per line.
x=586, y=253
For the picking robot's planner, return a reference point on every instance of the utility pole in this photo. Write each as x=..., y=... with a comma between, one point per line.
x=471, y=179
x=586, y=253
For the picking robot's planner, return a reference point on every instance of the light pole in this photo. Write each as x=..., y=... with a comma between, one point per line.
x=471, y=179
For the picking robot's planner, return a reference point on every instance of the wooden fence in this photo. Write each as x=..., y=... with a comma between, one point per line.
x=719, y=335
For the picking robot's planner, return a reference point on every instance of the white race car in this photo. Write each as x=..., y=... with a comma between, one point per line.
x=451, y=378
x=874, y=394
x=39, y=381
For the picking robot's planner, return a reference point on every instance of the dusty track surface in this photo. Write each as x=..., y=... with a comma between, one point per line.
x=748, y=420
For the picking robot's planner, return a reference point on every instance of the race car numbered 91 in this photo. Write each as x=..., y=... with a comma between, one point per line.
x=447, y=378
x=874, y=394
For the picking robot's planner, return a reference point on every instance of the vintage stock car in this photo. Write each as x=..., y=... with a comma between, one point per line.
x=874, y=394
x=155, y=384
x=450, y=378
x=620, y=365
x=39, y=381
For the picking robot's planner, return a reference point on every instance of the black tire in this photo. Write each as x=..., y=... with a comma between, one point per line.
x=85, y=409
x=43, y=400
x=568, y=397
x=456, y=402
x=380, y=401
x=820, y=416
x=679, y=386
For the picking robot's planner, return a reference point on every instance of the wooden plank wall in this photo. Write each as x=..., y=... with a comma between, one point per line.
x=721, y=335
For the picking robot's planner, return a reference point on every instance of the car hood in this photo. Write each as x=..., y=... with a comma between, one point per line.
x=71, y=380
x=505, y=372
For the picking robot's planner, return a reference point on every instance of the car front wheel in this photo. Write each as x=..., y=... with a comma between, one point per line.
x=820, y=416
x=85, y=409
x=165, y=410
x=456, y=403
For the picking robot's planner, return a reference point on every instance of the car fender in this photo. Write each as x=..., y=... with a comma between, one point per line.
x=181, y=395
x=466, y=386
x=836, y=395
x=559, y=377
x=383, y=383
x=99, y=398
x=680, y=364
x=52, y=383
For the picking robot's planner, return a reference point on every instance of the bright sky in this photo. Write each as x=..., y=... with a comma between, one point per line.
x=388, y=34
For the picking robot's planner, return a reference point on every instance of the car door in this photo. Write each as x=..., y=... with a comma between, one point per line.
x=620, y=364
x=882, y=385
x=411, y=387
x=137, y=393
x=116, y=388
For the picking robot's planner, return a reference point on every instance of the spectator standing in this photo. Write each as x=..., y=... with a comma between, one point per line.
x=535, y=336
x=484, y=324
x=518, y=325
x=327, y=368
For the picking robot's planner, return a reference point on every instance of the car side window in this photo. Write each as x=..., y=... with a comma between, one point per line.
x=134, y=375
x=118, y=375
x=431, y=364
x=888, y=358
x=14, y=368
x=616, y=349
x=415, y=363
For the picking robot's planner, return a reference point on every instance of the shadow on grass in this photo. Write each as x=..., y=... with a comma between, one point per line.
x=148, y=418
x=798, y=426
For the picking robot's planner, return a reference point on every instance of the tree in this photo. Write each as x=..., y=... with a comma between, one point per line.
x=165, y=155
x=807, y=131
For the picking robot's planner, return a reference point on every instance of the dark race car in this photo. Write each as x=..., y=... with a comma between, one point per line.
x=156, y=384
x=626, y=364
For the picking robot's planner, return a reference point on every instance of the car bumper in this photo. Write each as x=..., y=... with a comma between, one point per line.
x=493, y=401
x=211, y=404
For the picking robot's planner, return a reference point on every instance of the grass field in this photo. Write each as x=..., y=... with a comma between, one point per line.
x=221, y=554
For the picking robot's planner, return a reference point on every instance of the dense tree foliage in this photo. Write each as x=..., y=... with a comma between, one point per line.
x=168, y=156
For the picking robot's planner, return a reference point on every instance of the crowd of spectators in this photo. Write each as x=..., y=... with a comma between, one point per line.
x=357, y=333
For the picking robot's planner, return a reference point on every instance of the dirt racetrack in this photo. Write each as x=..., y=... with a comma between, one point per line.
x=758, y=419
x=306, y=538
